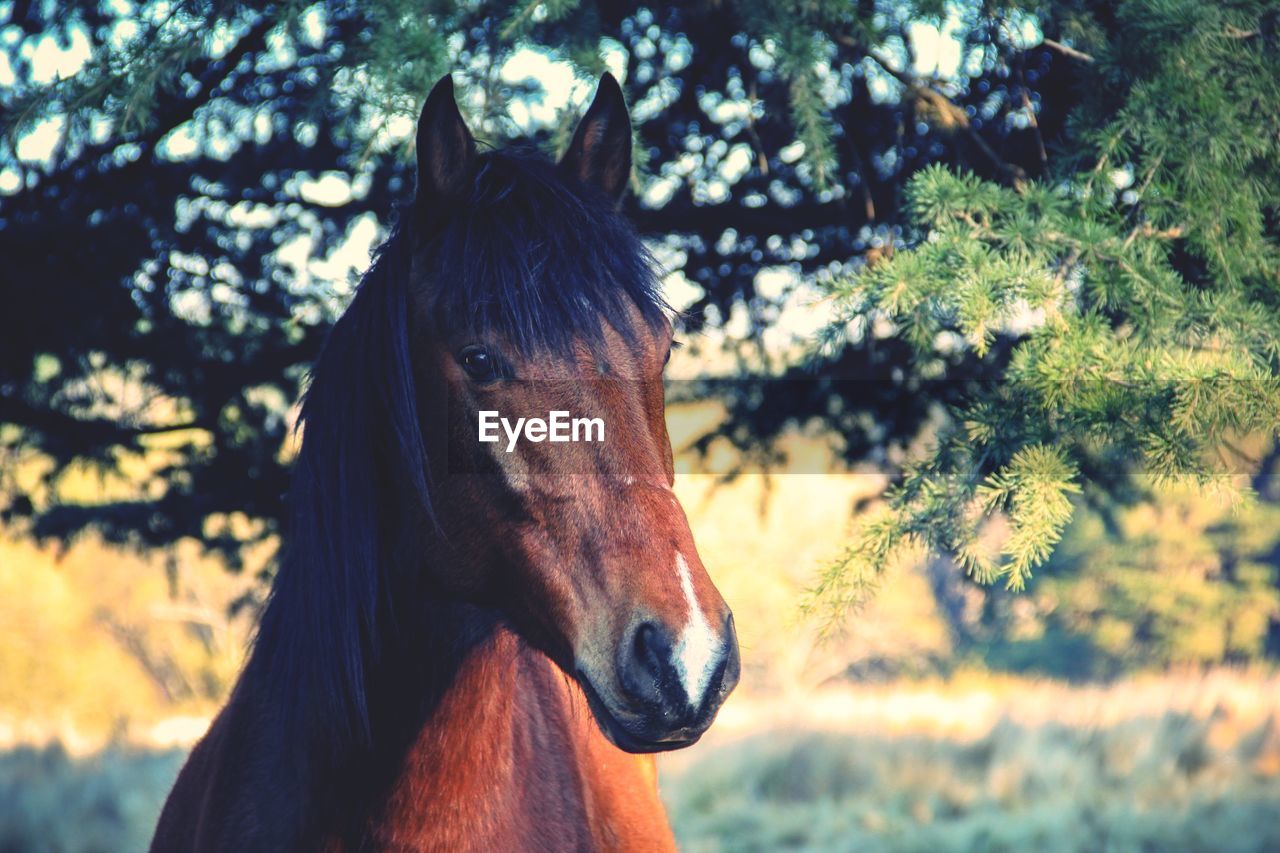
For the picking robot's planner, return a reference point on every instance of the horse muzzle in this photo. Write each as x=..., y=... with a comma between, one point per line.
x=668, y=688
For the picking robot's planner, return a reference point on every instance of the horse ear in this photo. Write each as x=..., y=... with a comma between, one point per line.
x=446, y=149
x=600, y=153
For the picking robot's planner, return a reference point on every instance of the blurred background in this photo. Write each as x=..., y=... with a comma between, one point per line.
x=974, y=412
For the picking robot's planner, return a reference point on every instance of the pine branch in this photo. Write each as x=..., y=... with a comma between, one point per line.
x=1237, y=33
x=1011, y=173
x=1067, y=51
x=87, y=433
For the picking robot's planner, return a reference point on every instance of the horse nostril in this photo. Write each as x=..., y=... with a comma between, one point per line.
x=647, y=670
x=652, y=647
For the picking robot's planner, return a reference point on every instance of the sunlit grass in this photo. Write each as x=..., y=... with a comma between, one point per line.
x=1177, y=762
x=971, y=763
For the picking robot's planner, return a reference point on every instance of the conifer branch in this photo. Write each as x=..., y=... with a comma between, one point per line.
x=1011, y=173
x=1237, y=33
x=1067, y=50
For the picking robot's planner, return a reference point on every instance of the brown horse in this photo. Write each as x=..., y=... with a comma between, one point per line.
x=470, y=644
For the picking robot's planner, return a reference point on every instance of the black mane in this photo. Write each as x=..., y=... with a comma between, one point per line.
x=538, y=259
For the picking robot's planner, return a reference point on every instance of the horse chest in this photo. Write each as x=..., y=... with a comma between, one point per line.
x=511, y=760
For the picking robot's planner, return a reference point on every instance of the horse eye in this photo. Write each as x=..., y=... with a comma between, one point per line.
x=674, y=346
x=478, y=364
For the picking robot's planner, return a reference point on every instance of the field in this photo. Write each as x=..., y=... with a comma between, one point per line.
x=1176, y=762
x=111, y=664
x=1189, y=763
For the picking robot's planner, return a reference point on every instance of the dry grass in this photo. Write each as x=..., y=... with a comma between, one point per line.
x=1159, y=763
x=1178, y=762
x=108, y=801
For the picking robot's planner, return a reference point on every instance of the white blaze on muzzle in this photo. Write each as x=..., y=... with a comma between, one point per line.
x=697, y=649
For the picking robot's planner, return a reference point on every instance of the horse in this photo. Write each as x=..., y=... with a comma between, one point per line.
x=470, y=645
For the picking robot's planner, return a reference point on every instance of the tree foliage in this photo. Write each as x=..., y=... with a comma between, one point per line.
x=1178, y=580
x=1139, y=281
x=1064, y=238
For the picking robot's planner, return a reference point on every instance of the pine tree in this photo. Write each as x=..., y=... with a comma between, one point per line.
x=1138, y=279
x=1071, y=236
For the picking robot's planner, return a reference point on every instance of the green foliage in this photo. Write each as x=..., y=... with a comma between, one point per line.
x=787, y=34
x=1033, y=490
x=1177, y=580
x=1128, y=303
x=1075, y=226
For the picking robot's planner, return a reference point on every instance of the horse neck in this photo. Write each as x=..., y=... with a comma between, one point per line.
x=412, y=672
x=457, y=684
x=418, y=665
